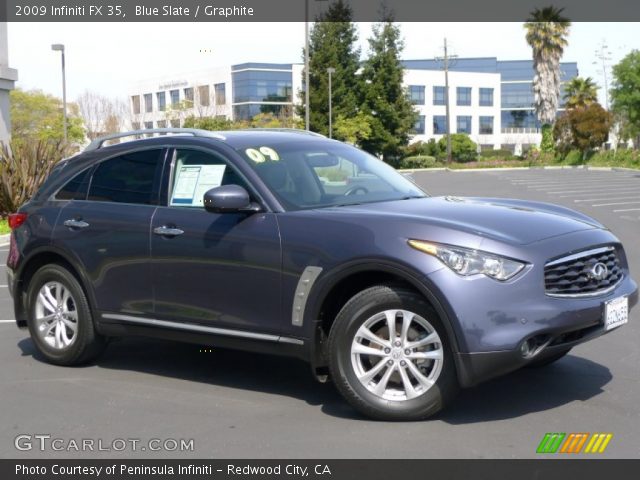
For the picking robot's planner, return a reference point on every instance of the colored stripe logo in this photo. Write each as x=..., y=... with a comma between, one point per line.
x=574, y=443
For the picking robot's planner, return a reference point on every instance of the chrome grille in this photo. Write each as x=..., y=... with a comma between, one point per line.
x=582, y=274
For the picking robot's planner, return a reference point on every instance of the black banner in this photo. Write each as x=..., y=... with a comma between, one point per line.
x=321, y=469
x=299, y=10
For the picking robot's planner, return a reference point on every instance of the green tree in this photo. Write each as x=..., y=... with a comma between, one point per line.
x=582, y=128
x=332, y=44
x=385, y=98
x=211, y=123
x=354, y=130
x=625, y=95
x=546, y=33
x=37, y=116
x=580, y=92
x=463, y=149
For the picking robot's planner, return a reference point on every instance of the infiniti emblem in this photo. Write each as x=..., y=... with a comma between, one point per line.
x=599, y=271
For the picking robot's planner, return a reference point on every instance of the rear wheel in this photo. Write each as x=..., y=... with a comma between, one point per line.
x=390, y=355
x=60, y=321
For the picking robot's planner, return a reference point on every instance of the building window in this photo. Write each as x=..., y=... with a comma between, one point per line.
x=418, y=127
x=486, y=97
x=486, y=125
x=175, y=123
x=220, y=92
x=203, y=95
x=439, y=95
x=135, y=104
x=148, y=125
x=135, y=125
x=188, y=95
x=463, y=124
x=439, y=125
x=175, y=97
x=148, y=103
x=464, y=96
x=416, y=94
x=162, y=124
x=162, y=101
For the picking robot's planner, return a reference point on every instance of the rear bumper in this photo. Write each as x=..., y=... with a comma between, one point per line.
x=476, y=367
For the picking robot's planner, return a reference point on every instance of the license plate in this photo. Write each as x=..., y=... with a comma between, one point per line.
x=616, y=313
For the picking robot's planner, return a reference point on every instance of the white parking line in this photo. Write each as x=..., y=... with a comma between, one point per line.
x=583, y=184
x=615, y=203
x=597, y=190
x=628, y=210
x=7, y=321
x=605, y=198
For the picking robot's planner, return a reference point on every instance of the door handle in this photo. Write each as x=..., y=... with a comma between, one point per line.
x=72, y=223
x=167, y=231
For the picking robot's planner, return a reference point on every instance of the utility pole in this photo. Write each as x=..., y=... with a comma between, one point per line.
x=604, y=55
x=330, y=71
x=446, y=59
x=306, y=65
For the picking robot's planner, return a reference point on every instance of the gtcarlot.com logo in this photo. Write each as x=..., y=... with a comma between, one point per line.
x=574, y=443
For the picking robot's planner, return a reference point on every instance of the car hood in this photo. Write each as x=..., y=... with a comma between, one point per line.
x=514, y=221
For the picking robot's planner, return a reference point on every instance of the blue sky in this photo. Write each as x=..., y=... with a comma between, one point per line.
x=107, y=57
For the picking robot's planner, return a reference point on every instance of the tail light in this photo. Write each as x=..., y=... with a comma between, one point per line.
x=16, y=219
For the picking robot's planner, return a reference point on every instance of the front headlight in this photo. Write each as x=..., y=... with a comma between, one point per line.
x=466, y=262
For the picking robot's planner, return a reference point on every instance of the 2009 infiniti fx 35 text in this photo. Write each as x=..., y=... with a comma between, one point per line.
x=291, y=243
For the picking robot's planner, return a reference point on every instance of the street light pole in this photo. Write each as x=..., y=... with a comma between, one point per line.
x=306, y=65
x=446, y=93
x=330, y=71
x=58, y=47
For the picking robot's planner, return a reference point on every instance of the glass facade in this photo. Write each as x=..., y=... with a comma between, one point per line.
x=439, y=125
x=248, y=111
x=262, y=86
x=463, y=95
x=517, y=95
x=419, y=127
x=486, y=125
x=463, y=124
x=519, y=121
x=486, y=97
x=416, y=94
x=439, y=95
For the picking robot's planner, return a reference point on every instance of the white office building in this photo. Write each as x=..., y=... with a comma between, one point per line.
x=490, y=100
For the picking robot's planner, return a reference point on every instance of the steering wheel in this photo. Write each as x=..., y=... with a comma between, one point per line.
x=356, y=188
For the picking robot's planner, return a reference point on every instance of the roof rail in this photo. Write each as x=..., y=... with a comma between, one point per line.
x=286, y=130
x=97, y=143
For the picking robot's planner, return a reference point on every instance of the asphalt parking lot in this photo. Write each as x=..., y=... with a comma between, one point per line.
x=240, y=405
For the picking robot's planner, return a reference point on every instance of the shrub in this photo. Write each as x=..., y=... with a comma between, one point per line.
x=419, y=161
x=429, y=148
x=463, y=149
x=23, y=168
x=504, y=154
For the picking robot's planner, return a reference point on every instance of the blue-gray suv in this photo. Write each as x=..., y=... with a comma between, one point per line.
x=290, y=243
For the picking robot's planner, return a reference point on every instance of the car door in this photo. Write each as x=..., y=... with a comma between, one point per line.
x=219, y=270
x=105, y=226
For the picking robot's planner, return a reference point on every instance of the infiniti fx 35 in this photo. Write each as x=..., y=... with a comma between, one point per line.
x=290, y=243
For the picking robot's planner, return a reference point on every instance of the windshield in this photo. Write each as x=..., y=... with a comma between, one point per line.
x=314, y=174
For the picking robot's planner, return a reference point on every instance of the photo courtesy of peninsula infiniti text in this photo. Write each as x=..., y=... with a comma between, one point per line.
x=290, y=243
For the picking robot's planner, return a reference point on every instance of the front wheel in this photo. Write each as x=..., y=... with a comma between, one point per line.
x=390, y=356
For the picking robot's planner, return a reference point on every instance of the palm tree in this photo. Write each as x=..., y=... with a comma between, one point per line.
x=547, y=32
x=580, y=92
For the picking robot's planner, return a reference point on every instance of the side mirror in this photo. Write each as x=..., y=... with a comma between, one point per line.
x=229, y=199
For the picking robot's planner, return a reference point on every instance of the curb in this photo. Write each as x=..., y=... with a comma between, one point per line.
x=507, y=169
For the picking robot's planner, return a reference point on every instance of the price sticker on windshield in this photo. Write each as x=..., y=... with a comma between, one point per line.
x=261, y=154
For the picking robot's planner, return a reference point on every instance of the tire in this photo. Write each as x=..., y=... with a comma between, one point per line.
x=56, y=305
x=404, y=395
x=543, y=362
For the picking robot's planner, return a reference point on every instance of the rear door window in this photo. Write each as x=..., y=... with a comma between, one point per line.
x=130, y=178
x=76, y=188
